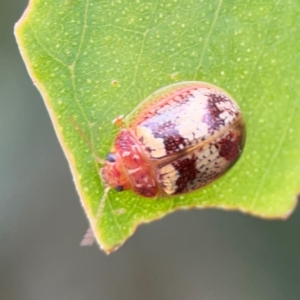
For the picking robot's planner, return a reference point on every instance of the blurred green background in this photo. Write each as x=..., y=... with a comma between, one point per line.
x=195, y=254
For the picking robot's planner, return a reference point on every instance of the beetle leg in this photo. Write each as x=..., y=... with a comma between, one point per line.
x=88, y=239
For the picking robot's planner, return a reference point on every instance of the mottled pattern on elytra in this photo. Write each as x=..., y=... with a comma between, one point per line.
x=221, y=111
x=200, y=167
x=177, y=140
x=184, y=121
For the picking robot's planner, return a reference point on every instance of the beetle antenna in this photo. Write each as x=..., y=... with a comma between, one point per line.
x=89, y=237
x=87, y=141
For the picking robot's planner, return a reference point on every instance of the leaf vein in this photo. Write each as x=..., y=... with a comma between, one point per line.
x=273, y=157
x=208, y=38
x=44, y=48
x=263, y=50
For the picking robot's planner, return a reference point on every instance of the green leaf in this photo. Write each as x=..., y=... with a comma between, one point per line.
x=94, y=60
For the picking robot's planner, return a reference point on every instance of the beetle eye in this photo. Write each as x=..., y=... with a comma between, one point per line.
x=119, y=188
x=110, y=157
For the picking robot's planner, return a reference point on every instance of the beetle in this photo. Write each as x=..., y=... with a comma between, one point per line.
x=179, y=139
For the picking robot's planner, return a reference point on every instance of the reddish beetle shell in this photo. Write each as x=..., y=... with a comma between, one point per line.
x=179, y=139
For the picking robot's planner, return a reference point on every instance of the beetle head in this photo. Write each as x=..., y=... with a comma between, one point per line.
x=113, y=174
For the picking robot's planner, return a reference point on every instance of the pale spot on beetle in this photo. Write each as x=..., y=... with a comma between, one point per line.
x=133, y=171
x=168, y=177
x=154, y=145
x=193, y=128
x=225, y=115
x=200, y=94
x=135, y=156
x=126, y=153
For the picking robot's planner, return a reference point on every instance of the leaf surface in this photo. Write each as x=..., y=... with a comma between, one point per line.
x=94, y=60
